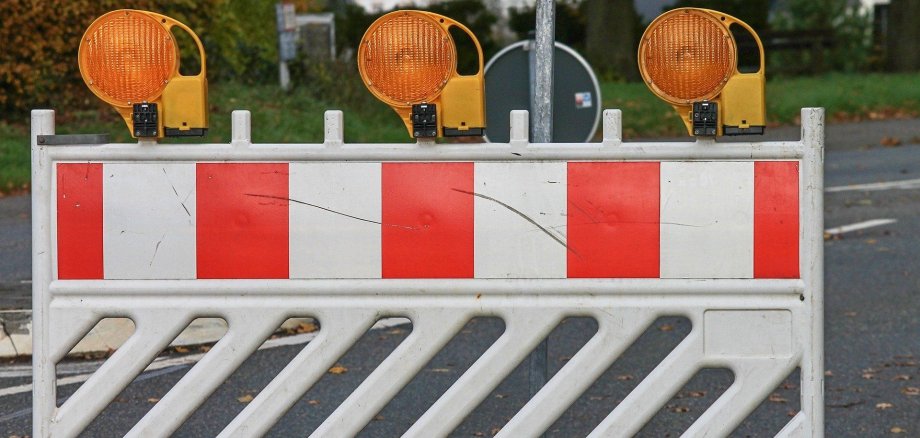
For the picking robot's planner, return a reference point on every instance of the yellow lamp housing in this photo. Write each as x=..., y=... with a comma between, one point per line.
x=130, y=60
x=408, y=60
x=689, y=58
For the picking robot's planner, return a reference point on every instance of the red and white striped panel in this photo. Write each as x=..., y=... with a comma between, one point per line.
x=428, y=220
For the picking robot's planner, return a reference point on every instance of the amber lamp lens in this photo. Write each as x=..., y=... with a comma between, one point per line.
x=406, y=58
x=127, y=57
x=686, y=56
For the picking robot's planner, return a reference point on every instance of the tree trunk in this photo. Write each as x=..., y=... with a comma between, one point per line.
x=611, y=37
x=904, y=35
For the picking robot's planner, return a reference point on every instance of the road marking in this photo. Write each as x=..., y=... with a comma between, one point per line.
x=60, y=401
x=906, y=184
x=836, y=231
x=171, y=363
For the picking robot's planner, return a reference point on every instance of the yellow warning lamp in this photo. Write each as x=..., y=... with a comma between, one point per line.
x=130, y=60
x=408, y=59
x=689, y=58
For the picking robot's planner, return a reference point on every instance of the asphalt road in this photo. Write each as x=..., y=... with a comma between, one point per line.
x=872, y=334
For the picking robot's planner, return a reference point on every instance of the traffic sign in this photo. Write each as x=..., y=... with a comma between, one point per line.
x=576, y=94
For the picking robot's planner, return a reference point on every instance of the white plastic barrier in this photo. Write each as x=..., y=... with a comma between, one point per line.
x=728, y=235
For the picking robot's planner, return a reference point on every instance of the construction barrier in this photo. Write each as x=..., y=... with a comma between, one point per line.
x=728, y=235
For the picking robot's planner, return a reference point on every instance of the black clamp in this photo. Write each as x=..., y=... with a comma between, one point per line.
x=705, y=118
x=424, y=120
x=145, y=117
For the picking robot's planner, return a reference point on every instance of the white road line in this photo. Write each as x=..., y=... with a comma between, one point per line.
x=859, y=226
x=179, y=362
x=889, y=185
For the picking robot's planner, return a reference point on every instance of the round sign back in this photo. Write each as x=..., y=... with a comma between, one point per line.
x=576, y=94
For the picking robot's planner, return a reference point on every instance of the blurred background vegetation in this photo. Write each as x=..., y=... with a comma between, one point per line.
x=829, y=53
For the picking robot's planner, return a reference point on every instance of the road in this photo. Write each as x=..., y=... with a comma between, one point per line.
x=872, y=333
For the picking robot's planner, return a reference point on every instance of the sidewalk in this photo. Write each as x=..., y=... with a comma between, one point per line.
x=15, y=247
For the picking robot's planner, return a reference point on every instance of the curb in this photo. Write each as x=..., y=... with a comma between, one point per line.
x=111, y=333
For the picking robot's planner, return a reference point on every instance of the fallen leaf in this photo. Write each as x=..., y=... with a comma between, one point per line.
x=789, y=386
x=911, y=390
x=776, y=398
x=792, y=413
x=883, y=406
x=378, y=417
x=440, y=370
x=338, y=369
x=666, y=327
x=868, y=376
x=500, y=396
x=313, y=402
x=495, y=431
x=871, y=241
x=478, y=434
x=680, y=409
x=697, y=394
x=624, y=377
x=152, y=400
x=901, y=377
x=181, y=350
x=897, y=429
x=204, y=348
x=829, y=373
x=890, y=141
x=306, y=327
x=245, y=399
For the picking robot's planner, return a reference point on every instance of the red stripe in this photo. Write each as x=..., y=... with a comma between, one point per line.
x=427, y=220
x=776, y=219
x=79, y=221
x=242, y=220
x=613, y=220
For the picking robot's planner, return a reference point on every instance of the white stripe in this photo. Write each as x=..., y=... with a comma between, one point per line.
x=903, y=184
x=507, y=243
x=859, y=226
x=149, y=221
x=707, y=219
x=339, y=234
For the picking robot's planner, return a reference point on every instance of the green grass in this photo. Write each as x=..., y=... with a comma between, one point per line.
x=297, y=117
x=846, y=97
x=14, y=158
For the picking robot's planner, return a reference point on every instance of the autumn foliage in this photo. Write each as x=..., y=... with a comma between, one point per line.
x=39, y=41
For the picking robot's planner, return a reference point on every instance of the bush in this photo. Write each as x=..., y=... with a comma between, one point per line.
x=40, y=40
x=850, y=28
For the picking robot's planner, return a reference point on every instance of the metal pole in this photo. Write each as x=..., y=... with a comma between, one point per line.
x=542, y=125
x=284, y=73
x=542, y=119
